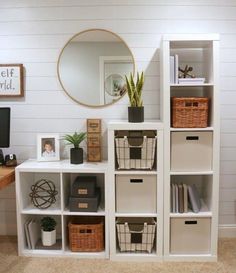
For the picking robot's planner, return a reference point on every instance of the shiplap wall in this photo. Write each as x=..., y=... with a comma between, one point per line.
x=33, y=33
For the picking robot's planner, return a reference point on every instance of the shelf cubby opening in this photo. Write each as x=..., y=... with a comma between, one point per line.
x=31, y=227
x=198, y=56
x=69, y=178
x=28, y=179
x=203, y=185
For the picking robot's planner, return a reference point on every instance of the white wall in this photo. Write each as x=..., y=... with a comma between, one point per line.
x=34, y=32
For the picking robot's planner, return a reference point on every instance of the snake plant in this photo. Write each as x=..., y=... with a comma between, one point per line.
x=135, y=89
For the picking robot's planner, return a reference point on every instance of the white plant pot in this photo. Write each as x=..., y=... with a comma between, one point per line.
x=48, y=237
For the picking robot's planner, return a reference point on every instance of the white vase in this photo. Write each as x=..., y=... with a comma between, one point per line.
x=48, y=237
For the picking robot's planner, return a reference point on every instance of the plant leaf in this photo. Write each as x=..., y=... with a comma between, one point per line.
x=75, y=139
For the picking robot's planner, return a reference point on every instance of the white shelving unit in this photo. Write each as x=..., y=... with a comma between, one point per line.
x=114, y=172
x=201, y=52
x=62, y=173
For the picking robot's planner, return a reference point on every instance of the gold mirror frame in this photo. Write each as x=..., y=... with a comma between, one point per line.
x=58, y=61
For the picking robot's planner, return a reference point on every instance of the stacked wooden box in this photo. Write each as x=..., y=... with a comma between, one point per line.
x=94, y=140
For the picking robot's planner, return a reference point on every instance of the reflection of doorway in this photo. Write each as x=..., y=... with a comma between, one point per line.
x=112, y=65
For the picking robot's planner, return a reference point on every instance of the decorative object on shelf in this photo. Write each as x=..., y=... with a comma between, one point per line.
x=136, y=234
x=48, y=231
x=135, y=149
x=86, y=234
x=189, y=112
x=10, y=160
x=186, y=72
x=11, y=80
x=43, y=194
x=94, y=153
x=48, y=148
x=76, y=153
x=136, y=109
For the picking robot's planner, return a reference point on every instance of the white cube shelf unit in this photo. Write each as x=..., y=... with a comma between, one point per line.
x=188, y=162
x=136, y=194
x=62, y=173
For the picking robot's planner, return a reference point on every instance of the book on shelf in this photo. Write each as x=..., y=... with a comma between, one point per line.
x=176, y=199
x=184, y=196
x=191, y=80
x=176, y=68
x=32, y=232
x=27, y=233
x=185, y=192
x=194, y=198
x=181, y=198
x=173, y=198
x=172, y=69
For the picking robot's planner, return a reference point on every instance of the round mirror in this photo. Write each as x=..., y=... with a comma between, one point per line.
x=92, y=65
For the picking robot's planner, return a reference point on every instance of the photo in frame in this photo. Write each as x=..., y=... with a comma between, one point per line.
x=48, y=148
x=11, y=80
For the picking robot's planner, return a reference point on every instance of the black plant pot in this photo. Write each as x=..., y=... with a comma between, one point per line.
x=76, y=155
x=135, y=114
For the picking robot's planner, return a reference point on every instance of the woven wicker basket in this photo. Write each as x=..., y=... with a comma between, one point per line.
x=189, y=112
x=86, y=234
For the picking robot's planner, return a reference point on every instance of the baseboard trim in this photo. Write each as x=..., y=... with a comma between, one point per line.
x=227, y=231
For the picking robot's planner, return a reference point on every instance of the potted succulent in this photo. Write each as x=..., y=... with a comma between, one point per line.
x=48, y=231
x=76, y=153
x=136, y=109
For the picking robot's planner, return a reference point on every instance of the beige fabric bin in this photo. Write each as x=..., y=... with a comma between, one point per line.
x=136, y=193
x=136, y=234
x=190, y=235
x=191, y=151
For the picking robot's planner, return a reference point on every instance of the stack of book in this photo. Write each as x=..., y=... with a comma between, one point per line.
x=184, y=197
x=174, y=69
x=189, y=81
x=32, y=232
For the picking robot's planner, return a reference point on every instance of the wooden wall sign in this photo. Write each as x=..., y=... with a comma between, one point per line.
x=11, y=80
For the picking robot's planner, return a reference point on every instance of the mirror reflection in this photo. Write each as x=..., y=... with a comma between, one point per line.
x=92, y=66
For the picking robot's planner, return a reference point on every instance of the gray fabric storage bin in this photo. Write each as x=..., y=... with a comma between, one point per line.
x=84, y=186
x=89, y=204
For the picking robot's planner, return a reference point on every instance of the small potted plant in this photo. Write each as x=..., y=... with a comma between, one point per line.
x=76, y=153
x=48, y=231
x=136, y=109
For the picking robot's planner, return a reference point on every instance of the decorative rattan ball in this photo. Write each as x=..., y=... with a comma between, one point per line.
x=43, y=194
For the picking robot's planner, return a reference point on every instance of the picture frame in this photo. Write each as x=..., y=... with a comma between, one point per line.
x=48, y=148
x=11, y=80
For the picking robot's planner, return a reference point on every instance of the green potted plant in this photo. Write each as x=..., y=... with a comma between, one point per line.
x=76, y=153
x=136, y=109
x=48, y=231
